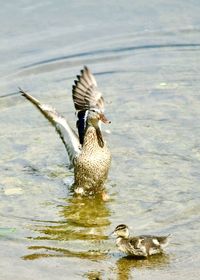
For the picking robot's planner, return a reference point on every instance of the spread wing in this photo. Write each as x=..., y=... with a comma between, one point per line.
x=85, y=92
x=68, y=136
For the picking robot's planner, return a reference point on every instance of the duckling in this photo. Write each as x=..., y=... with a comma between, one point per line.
x=139, y=246
x=88, y=152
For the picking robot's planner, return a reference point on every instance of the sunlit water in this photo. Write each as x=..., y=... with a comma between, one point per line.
x=146, y=59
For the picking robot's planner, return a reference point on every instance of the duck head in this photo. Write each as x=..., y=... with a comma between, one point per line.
x=91, y=117
x=121, y=231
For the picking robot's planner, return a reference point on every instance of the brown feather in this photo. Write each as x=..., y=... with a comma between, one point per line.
x=85, y=93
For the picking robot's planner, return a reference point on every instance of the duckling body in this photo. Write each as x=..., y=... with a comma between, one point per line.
x=87, y=151
x=139, y=246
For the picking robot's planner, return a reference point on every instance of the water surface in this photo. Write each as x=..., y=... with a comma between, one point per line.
x=146, y=59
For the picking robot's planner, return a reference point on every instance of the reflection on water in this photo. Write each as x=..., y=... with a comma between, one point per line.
x=88, y=213
x=123, y=268
x=47, y=252
x=94, y=275
x=125, y=265
x=81, y=219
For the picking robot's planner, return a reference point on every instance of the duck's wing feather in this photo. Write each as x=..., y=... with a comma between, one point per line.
x=154, y=244
x=135, y=248
x=68, y=136
x=156, y=240
x=85, y=92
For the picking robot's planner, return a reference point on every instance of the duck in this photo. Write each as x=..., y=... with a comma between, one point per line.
x=88, y=152
x=139, y=246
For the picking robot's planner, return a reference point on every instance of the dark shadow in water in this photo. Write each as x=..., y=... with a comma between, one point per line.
x=81, y=219
x=114, y=50
x=97, y=56
x=9, y=94
x=125, y=265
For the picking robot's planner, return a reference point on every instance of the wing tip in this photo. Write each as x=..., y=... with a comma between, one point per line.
x=23, y=93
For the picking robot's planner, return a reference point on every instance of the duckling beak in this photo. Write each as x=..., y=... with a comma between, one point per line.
x=104, y=119
x=112, y=233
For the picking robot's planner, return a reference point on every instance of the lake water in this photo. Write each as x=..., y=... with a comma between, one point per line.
x=146, y=58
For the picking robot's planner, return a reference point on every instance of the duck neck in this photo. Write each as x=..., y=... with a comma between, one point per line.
x=92, y=138
x=118, y=240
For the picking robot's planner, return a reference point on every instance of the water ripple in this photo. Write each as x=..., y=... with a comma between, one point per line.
x=110, y=51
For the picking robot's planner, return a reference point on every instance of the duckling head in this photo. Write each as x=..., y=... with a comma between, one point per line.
x=121, y=231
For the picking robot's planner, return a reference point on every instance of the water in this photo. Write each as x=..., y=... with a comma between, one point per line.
x=146, y=59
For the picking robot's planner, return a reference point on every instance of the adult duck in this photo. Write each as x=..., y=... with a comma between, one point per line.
x=87, y=151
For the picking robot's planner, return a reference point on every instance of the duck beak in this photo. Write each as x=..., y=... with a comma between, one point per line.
x=104, y=119
x=112, y=233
